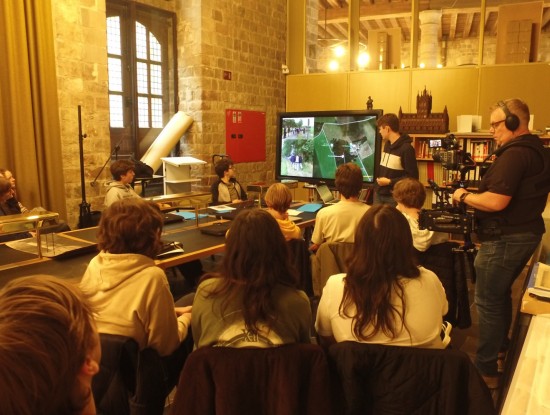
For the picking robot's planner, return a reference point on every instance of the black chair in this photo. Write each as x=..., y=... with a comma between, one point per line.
x=130, y=382
x=453, y=267
x=380, y=379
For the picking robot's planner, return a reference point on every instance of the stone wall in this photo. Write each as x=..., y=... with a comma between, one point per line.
x=247, y=38
x=81, y=58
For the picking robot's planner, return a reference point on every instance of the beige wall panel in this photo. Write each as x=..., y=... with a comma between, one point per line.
x=452, y=87
x=317, y=92
x=530, y=82
x=388, y=89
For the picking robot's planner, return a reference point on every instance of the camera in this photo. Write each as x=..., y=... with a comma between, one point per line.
x=448, y=152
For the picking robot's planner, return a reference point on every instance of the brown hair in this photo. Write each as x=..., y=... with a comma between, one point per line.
x=349, y=180
x=389, y=120
x=409, y=192
x=222, y=166
x=382, y=255
x=5, y=186
x=255, y=261
x=46, y=333
x=121, y=167
x=278, y=197
x=131, y=226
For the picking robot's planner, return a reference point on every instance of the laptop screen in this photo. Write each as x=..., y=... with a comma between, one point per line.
x=325, y=193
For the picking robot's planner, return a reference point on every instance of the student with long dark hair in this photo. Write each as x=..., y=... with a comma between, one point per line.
x=384, y=297
x=253, y=300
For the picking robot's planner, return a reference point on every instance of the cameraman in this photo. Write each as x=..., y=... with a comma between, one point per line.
x=510, y=226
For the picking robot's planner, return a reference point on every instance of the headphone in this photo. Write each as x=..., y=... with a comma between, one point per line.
x=512, y=120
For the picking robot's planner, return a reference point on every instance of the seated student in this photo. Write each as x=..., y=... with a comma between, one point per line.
x=410, y=196
x=12, y=205
x=227, y=189
x=6, y=193
x=253, y=300
x=130, y=293
x=278, y=199
x=49, y=348
x=120, y=188
x=337, y=223
x=384, y=297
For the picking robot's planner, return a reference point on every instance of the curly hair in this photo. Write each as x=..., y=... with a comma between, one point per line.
x=382, y=256
x=256, y=260
x=222, y=166
x=131, y=226
x=46, y=333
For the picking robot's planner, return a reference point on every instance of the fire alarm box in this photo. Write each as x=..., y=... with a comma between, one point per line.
x=245, y=135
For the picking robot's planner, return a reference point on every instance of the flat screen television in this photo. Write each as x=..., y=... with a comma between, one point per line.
x=311, y=145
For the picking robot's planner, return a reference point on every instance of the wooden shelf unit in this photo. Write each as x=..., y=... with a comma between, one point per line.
x=478, y=144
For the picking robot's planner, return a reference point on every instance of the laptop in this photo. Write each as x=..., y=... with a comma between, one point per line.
x=172, y=218
x=247, y=204
x=326, y=195
x=216, y=229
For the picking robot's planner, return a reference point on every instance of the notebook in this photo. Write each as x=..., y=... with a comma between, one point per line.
x=216, y=229
x=326, y=195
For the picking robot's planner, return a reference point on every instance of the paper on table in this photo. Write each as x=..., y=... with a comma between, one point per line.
x=222, y=208
x=293, y=212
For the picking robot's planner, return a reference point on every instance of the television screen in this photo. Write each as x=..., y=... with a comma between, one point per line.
x=311, y=146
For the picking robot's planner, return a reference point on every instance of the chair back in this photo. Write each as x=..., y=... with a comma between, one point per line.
x=381, y=379
x=299, y=258
x=331, y=258
x=130, y=382
x=289, y=379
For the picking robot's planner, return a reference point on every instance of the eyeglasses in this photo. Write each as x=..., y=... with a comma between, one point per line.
x=495, y=124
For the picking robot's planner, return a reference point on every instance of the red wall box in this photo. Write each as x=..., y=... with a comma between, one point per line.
x=245, y=135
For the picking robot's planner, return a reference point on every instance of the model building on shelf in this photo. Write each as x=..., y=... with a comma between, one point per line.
x=424, y=121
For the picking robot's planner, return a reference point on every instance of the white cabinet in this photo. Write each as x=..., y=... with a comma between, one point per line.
x=177, y=174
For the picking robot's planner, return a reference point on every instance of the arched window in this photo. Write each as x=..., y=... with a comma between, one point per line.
x=142, y=74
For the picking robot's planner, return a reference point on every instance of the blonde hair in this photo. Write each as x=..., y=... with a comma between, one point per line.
x=278, y=197
x=46, y=332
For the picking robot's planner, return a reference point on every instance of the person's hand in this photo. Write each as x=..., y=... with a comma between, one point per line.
x=383, y=181
x=236, y=201
x=183, y=310
x=458, y=193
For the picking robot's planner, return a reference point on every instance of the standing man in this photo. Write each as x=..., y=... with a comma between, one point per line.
x=512, y=196
x=227, y=189
x=123, y=175
x=397, y=162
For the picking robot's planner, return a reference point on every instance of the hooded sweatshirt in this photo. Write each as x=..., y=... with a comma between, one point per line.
x=117, y=191
x=132, y=298
x=397, y=162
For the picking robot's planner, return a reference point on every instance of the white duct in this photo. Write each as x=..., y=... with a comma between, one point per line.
x=167, y=139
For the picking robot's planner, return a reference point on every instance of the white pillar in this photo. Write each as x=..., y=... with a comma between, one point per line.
x=430, y=25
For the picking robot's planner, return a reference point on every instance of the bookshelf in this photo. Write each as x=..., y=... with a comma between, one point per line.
x=478, y=144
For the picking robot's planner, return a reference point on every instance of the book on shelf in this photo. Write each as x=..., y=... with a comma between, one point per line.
x=539, y=281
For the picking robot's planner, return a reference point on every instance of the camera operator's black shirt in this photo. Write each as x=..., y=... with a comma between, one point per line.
x=506, y=176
